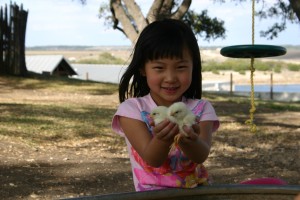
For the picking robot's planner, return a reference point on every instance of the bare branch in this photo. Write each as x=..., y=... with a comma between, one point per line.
x=182, y=9
x=154, y=10
x=166, y=8
x=295, y=4
x=136, y=15
x=120, y=15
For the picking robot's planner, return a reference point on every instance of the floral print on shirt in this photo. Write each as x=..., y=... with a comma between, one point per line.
x=177, y=170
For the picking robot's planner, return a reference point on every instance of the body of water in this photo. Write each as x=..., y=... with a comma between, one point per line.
x=267, y=88
x=103, y=73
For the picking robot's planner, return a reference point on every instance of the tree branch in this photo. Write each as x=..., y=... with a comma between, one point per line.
x=182, y=9
x=120, y=15
x=137, y=16
x=154, y=11
x=295, y=4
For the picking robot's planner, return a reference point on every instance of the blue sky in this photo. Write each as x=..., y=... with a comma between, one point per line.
x=67, y=22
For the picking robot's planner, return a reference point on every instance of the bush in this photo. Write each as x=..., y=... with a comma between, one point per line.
x=104, y=58
x=243, y=65
x=294, y=67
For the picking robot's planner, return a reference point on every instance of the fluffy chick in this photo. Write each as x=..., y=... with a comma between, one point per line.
x=180, y=114
x=159, y=114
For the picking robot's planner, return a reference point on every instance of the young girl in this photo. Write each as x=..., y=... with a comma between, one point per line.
x=165, y=68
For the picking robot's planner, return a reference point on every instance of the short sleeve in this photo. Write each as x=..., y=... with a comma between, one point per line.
x=209, y=114
x=206, y=112
x=126, y=109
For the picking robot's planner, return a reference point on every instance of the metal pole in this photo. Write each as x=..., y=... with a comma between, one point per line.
x=271, y=88
x=231, y=83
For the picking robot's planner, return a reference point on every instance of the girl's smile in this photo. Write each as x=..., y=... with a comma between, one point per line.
x=170, y=90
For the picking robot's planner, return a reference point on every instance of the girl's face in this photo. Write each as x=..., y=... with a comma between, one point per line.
x=169, y=78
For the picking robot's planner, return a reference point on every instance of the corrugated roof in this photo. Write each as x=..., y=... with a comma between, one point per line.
x=43, y=63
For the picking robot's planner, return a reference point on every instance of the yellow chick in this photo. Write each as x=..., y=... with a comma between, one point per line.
x=159, y=114
x=180, y=114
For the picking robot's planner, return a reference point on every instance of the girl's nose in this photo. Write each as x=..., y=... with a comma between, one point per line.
x=170, y=76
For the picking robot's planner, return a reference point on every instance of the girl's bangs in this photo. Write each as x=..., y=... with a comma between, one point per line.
x=167, y=48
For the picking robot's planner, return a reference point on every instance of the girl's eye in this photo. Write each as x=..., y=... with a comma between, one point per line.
x=158, y=68
x=182, y=67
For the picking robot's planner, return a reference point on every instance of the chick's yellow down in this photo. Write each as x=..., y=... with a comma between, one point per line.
x=180, y=114
x=159, y=114
x=177, y=113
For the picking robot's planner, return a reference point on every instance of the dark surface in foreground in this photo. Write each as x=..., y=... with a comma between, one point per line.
x=229, y=192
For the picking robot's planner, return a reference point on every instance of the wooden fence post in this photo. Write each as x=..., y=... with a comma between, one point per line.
x=12, y=40
x=1, y=41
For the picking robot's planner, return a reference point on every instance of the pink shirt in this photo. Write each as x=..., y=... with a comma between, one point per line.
x=177, y=171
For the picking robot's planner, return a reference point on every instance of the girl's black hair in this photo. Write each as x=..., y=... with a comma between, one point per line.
x=161, y=39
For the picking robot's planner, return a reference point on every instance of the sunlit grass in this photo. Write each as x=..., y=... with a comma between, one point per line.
x=60, y=84
x=48, y=122
x=54, y=123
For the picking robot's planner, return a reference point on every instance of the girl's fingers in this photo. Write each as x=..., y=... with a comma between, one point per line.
x=190, y=131
x=166, y=131
x=196, y=128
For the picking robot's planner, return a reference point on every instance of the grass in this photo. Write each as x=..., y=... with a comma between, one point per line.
x=104, y=58
x=59, y=84
x=242, y=65
x=48, y=121
x=39, y=123
x=45, y=121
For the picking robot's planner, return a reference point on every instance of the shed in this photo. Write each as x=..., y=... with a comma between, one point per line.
x=49, y=64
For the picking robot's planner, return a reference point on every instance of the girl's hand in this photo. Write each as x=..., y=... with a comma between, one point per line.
x=192, y=132
x=165, y=131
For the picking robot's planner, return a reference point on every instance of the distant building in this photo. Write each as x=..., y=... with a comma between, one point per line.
x=49, y=65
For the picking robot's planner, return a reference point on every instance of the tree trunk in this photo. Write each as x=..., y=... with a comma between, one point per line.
x=154, y=10
x=132, y=20
x=120, y=15
x=296, y=7
x=182, y=9
x=136, y=14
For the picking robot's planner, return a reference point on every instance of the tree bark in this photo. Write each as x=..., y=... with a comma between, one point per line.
x=136, y=14
x=120, y=15
x=182, y=9
x=129, y=15
x=154, y=10
x=296, y=7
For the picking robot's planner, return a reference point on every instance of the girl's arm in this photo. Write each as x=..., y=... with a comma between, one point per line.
x=197, y=146
x=152, y=149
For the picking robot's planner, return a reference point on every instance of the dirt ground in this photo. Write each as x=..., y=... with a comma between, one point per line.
x=94, y=166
